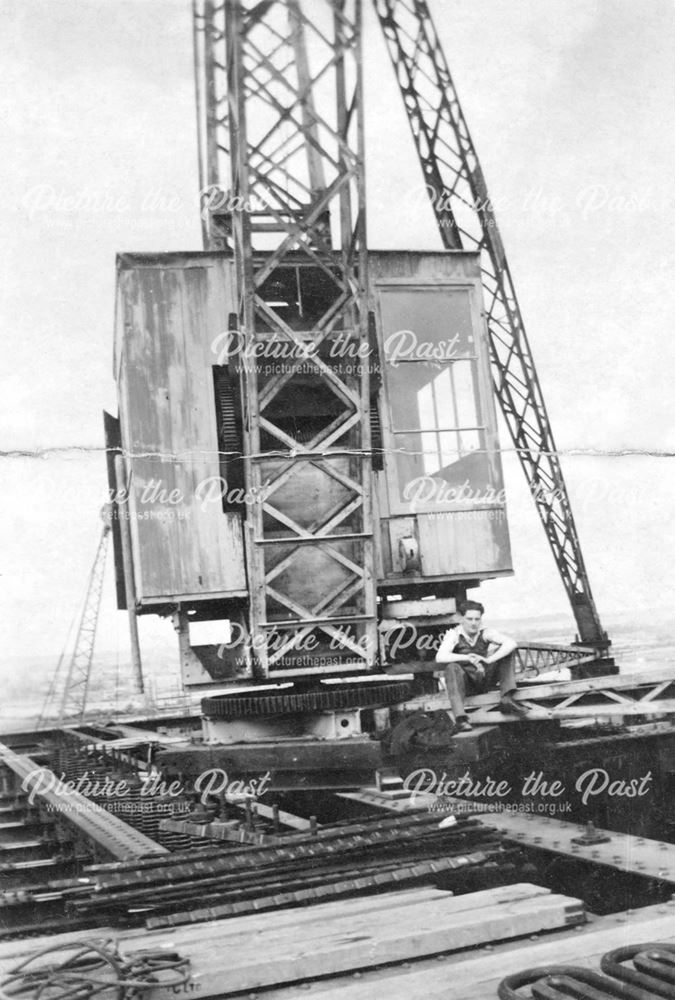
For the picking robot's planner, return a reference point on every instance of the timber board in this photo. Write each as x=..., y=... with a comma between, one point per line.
x=252, y=952
x=476, y=975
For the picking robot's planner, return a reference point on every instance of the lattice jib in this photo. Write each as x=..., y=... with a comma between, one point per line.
x=466, y=220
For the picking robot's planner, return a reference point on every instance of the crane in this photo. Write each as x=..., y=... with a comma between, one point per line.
x=69, y=702
x=251, y=146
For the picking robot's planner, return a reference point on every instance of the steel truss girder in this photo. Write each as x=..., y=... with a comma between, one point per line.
x=461, y=204
x=534, y=658
x=624, y=696
x=70, y=704
x=76, y=690
x=290, y=178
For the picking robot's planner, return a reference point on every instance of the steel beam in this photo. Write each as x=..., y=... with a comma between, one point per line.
x=98, y=826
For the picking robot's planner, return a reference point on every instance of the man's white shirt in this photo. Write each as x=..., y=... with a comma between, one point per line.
x=451, y=639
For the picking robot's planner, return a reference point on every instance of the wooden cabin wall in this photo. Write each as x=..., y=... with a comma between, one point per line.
x=170, y=314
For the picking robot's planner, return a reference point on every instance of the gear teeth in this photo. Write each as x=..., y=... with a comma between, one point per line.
x=335, y=697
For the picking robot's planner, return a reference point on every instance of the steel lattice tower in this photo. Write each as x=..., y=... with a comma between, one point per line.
x=265, y=136
x=70, y=704
x=285, y=141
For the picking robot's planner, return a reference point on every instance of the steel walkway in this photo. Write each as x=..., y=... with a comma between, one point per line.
x=103, y=828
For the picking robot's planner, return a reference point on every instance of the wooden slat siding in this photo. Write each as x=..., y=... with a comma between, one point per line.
x=451, y=545
x=173, y=315
x=466, y=546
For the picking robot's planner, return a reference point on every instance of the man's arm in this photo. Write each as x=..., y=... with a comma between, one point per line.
x=504, y=643
x=445, y=652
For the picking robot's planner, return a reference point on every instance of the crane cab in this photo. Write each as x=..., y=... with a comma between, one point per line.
x=438, y=507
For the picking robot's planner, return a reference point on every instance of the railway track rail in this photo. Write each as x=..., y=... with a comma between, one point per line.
x=333, y=862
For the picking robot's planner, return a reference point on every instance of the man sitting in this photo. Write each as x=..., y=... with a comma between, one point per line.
x=466, y=650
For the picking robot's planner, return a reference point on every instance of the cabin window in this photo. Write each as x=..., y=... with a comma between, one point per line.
x=431, y=378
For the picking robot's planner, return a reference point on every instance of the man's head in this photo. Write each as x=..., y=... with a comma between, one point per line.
x=471, y=613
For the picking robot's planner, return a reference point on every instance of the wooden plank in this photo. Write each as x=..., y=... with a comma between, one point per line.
x=273, y=923
x=476, y=976
x=248, y=961
x=251, y=961
x=278, y=922
x=14, y=950
x=137, y=937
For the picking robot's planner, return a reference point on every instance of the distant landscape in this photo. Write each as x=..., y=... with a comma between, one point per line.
x=646, y=641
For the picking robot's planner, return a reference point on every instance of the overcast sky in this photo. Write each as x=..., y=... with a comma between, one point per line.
x=570, y=103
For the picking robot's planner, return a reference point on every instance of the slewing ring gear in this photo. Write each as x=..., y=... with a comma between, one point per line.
x=334, y=697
